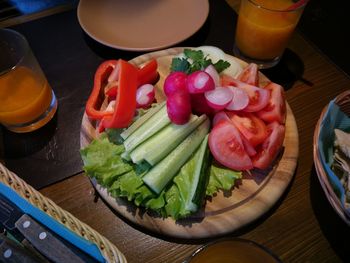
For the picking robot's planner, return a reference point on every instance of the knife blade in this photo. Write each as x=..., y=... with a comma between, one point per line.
x=47, y=243
x=12, y=252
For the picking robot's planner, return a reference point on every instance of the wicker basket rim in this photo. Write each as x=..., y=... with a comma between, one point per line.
x=108, y=250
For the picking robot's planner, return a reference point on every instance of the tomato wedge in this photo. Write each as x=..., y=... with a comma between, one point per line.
x=250, y=75
x=250, y=126
x=269, y=149
x=226, y=145
x=258, y=97
x=276, y=108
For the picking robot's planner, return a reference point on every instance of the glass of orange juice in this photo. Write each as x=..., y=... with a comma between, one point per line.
x=264, y=28
x=27, y=101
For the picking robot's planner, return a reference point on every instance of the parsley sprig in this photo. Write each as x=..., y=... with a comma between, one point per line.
x=196, y=60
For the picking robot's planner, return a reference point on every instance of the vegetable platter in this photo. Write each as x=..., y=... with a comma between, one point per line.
x=226, y=211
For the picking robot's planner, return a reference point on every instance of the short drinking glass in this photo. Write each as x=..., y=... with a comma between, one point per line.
x=27, y=101
x=264, y=28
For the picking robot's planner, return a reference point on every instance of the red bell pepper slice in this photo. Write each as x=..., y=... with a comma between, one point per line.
x=97, y=96
x=125, y=104
x=148, y=74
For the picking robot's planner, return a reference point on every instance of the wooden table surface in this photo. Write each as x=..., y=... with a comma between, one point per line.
x=301, y=227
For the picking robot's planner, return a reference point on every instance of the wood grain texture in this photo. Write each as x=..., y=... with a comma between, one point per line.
x=301, y=227
x=251, y=197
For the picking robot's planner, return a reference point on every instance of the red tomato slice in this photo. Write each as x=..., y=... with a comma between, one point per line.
x=250, y=126
x=226, y=80
x=270, y=148
x=248, y=147
x=250, y=75
x=226, y=145
x=258, y=97
x=276, y=108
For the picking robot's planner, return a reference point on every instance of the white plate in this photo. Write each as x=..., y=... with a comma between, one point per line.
x=141, y=25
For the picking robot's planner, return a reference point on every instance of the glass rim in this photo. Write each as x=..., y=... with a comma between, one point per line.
x=235, y=239
x=24, y=42
x=278, y=10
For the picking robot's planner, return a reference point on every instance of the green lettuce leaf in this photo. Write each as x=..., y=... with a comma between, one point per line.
x=221, y=178
x=102, y=161
x=197, y=178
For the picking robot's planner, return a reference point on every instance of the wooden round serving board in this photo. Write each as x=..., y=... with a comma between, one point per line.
x=251, y=197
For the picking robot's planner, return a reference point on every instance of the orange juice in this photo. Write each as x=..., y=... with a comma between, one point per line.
x=23, y=96
x=264, y=27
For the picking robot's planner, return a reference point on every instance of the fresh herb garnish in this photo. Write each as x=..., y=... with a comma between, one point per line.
x=196, y=60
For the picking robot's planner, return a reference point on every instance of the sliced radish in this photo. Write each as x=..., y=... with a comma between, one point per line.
x=219, y=98
x=110, y=106
x=219, y=116
x=114, y=74
x=214, y=74
x=175, y=82
x=145, y=95
x=199, y=82
x=179, y=108
x=240, y=99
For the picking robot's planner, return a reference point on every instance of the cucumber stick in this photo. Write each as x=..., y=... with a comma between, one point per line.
x=153, y=150
x=137, y=124
x=154, y=124
x=161, y=174
x=193, y=178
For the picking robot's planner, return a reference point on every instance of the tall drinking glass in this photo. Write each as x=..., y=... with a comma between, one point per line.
x=264, y=28
x=27, y=101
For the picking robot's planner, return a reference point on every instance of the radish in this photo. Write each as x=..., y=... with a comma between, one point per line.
x=110, y=106
x=200, y=106
x=219, y=116
x=145, y=95
x=219, y=98
x=214, y=74
x=179, y=107
x=175, y=82
x=199, y=82
x=240, y=99
x=114, y=74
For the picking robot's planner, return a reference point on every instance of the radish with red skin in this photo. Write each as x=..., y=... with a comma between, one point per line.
x=240, y=99
x=199, y=82
x=145, y=95
x=175, y=82
x=200, y=106
x=219, y=98
x=179, y=108
x=214, y=74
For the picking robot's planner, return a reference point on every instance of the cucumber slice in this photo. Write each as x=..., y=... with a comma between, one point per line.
x=161, y=174
x=153, y=150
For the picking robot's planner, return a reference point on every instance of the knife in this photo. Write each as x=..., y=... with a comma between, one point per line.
x=47, y=243
x=12, y=252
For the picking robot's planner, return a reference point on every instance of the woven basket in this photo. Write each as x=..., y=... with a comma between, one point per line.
x=343, y=101
x=108, y=250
